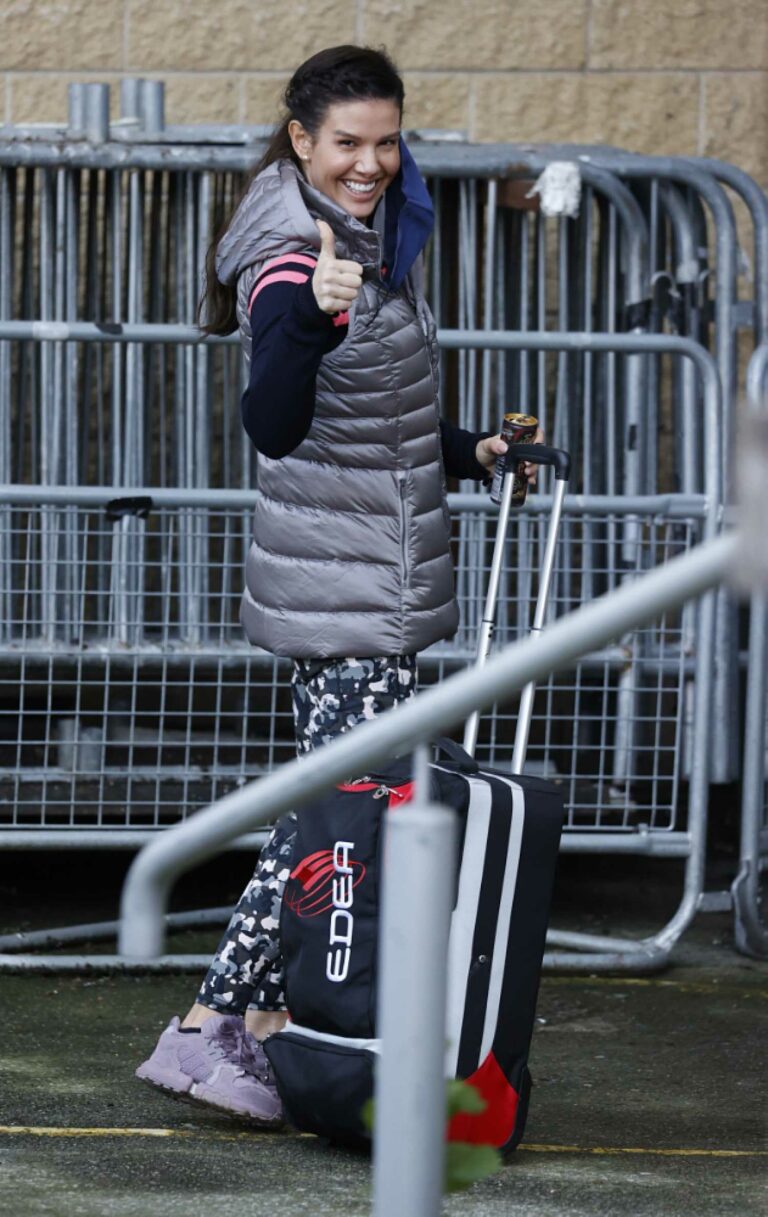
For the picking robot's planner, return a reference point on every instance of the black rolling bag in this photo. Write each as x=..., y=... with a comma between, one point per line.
x=510, y=827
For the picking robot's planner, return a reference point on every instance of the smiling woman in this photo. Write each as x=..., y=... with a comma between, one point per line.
x=349, y=571
x=355, y=155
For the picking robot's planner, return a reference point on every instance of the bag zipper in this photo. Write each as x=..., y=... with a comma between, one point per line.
x=381, y=791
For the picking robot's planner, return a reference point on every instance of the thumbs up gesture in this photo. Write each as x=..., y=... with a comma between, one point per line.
x=335, y=282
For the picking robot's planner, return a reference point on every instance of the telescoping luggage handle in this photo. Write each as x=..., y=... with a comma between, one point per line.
x=539, y=454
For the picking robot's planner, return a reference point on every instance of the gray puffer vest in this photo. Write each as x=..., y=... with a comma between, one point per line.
x=350, y=551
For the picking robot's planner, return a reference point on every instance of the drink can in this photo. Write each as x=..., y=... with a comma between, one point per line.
x=516, y=429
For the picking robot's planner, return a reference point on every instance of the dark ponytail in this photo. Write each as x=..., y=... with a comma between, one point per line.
x=338, y=74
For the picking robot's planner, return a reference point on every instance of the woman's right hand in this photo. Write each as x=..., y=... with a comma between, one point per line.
x=336, y=281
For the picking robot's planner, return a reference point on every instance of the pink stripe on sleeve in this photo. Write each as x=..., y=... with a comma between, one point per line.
x=282, y=276
x=341, y=319
x=302, y=259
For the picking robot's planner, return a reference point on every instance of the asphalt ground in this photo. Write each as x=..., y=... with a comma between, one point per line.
x=649, y=1093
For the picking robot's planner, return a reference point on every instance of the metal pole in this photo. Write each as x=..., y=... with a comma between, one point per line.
x=525, y=713
x=96, y=113
x=409, y=1136
x=750, y=930
x=489, y=612
x=75, y=110
x=151, y=98
x=130, y=89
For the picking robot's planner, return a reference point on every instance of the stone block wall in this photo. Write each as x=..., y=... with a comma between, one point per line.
x=687, y=77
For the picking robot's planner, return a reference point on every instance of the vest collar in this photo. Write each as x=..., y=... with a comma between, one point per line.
x=353, y=239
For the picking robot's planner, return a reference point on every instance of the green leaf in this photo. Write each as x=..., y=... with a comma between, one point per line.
x=466, y=1164
x=463, y=1099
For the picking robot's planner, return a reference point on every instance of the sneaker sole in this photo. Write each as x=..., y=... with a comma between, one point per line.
x=186, y=1096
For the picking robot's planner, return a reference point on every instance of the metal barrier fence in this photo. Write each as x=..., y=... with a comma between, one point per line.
x=108, y=223
x=135, y=690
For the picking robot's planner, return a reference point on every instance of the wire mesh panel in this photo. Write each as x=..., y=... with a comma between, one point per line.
x=132, y=742
x=127, y=573
x=613, y=732
x=129, y=697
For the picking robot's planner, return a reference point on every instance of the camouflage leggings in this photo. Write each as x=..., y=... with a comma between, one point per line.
x=329, y=697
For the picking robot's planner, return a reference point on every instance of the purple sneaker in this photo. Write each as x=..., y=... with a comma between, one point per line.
x=223, y=1066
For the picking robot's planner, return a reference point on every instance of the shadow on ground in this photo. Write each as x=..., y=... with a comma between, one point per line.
x=649, y=1093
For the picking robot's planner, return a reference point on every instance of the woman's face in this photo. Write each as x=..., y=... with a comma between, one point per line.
x=355, y=154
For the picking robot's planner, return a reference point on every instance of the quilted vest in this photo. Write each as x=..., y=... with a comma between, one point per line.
x=350, y=552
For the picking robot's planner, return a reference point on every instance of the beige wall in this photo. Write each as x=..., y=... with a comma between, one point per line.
x=663, y=76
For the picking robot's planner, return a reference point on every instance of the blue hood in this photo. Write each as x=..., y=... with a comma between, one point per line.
x=409, y=220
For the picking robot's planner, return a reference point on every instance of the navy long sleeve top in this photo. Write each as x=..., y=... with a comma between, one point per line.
x=290, y=336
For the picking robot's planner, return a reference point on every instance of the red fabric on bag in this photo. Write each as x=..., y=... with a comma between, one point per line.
x=495, y=1125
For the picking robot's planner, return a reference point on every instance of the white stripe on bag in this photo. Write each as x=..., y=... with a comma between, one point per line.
x=501, y=941
x=465, y=914
x=325, y=1037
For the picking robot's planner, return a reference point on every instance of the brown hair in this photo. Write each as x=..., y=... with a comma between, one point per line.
x=339, y=73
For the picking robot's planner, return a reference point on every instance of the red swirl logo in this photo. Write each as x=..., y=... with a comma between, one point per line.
x=309, y=891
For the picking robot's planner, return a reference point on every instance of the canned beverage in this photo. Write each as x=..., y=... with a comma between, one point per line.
x=516, y=429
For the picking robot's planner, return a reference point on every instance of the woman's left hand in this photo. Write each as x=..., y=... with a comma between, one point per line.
x=488, y=449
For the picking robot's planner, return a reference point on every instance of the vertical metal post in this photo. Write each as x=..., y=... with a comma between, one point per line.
x=489, y=612
x=525, y=713
x=96, y=113
x=468, y=555
x=409, y=1137
x=114, y=203
x=590, y=424
x=203, y=451
x=750, y=930
x=48, y=471
x=72, y=403
x=130, y=92
x=152, y=106
x=75, y=110
x=7, y=216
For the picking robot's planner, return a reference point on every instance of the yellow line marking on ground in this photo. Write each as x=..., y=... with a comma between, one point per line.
x=204, y=1134
x=642, y=1149
x=38, y=1131
x=637, y=982
x=32, y=1130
